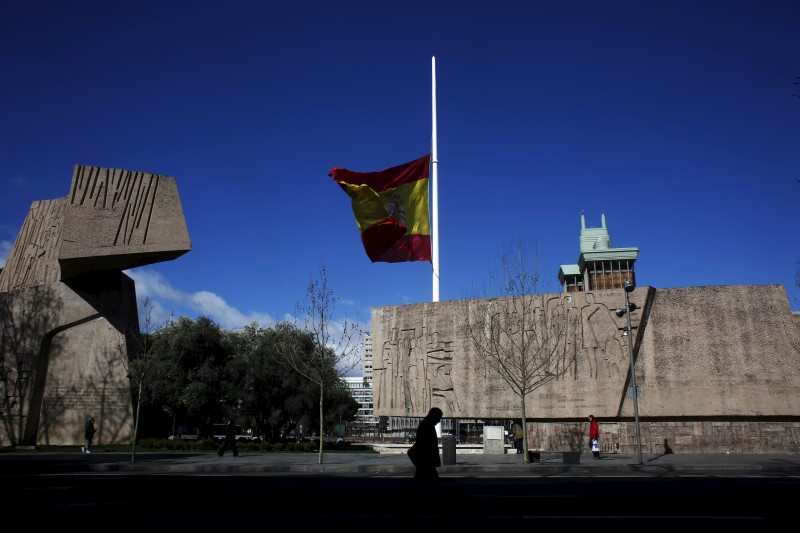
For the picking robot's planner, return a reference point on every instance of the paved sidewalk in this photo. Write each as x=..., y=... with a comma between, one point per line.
x=467, y=464
x=551, y=464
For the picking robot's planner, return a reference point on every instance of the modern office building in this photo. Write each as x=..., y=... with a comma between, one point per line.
x=366, y=359
x=365, y=423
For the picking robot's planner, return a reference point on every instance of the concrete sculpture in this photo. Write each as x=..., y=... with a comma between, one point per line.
x=67, y=309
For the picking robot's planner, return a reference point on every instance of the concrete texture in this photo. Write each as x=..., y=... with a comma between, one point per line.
x=68, y=311
x=717, y=369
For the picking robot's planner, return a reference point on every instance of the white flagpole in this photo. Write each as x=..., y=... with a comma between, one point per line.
x=435, y=190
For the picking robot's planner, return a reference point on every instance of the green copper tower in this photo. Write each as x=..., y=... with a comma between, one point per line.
x=599, y=266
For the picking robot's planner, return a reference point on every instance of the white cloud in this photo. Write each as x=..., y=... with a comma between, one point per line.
x=352, y=363
x=165, y=300
x=5, y=249
x=162, y=296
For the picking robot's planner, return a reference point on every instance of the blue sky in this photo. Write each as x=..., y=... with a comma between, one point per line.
x=679, y=120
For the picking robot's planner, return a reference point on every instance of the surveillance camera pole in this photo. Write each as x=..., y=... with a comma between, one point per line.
x=628, y=288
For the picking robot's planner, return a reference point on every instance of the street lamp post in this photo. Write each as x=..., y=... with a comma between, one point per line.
x=629, y=333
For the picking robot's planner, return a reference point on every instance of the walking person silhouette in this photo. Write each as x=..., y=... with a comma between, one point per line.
x=230, y=440
x=424, y=453
x=88, y=434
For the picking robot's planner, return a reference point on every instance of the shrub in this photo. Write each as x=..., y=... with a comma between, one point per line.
x=149, y=443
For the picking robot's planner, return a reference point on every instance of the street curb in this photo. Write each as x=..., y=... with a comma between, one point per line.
x=520, y=470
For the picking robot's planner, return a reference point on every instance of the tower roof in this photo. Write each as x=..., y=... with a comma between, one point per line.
x=595, y=245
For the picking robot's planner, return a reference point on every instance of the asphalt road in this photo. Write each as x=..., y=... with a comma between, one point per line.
x=469, y=502
x=355, y=491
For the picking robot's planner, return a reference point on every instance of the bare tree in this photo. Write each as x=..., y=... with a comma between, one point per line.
x=142, y=368
x=516, y=332
x=333, y=352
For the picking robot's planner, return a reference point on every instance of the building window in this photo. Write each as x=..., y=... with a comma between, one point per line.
x=610, y=274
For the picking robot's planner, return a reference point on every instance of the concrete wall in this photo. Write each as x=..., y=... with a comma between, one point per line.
x=718, y=368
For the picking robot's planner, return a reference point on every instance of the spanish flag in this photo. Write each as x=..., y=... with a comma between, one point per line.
x=391, y=210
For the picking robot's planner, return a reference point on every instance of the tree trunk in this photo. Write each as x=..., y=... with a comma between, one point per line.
x=136, y=422
x=321, y=434
x=525, y=458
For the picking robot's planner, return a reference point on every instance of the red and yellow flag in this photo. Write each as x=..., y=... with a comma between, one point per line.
x=391, y=209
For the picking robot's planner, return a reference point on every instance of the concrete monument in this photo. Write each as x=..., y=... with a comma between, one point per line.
x=67, y=310
x=717, y=369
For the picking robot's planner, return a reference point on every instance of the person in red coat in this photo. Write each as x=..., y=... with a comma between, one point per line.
x=594, y=437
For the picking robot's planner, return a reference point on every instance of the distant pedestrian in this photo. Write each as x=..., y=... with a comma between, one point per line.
x=517, y=431
x=424, y=453
x=594, y=437
x=230, y=440
x=88, y=435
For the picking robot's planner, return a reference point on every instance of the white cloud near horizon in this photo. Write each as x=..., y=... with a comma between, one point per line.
x=5, y=249
x=167, y=300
